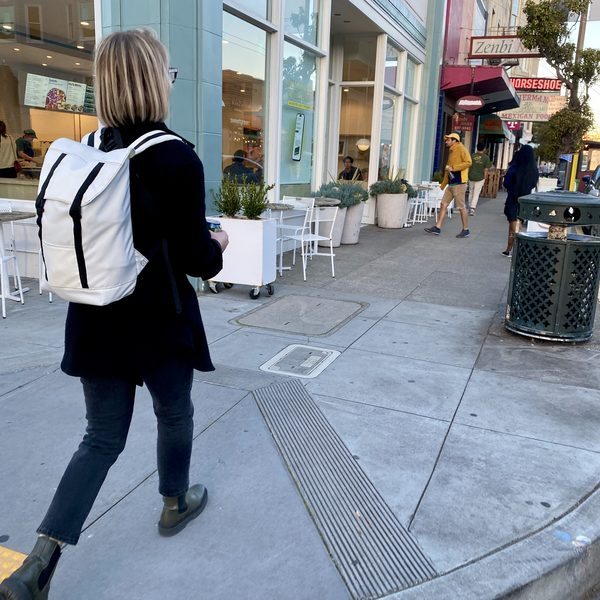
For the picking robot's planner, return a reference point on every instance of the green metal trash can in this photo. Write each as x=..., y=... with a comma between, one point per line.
x=553, y=289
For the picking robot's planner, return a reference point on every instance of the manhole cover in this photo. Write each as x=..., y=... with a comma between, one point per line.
x=307, y=315
x=300, y=361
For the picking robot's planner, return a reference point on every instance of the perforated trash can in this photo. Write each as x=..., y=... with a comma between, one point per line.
x=553, y=289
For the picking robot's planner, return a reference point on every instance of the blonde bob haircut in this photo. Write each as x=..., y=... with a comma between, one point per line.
x=132, y=78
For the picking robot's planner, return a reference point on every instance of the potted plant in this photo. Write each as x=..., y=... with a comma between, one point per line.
x=392, y=201
x=352, y=195
x=251, y=256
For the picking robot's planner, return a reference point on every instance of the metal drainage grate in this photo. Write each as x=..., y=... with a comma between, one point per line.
x=373, y=552
x=300, y=361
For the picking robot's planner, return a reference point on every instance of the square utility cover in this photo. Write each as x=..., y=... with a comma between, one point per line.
x=306, y=315
x=300, y=361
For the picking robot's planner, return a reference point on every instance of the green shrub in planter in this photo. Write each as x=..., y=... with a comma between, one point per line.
x=348, y=192
x=227, y=198
x=254, y=199
x=248, y=198
x=392, y=185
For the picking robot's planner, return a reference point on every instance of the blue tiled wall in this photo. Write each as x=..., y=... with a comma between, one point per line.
x=192, y=31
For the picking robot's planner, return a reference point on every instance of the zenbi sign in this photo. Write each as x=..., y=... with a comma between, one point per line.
x=508, y=46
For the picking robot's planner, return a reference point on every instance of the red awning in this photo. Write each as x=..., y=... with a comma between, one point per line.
x=491, y=83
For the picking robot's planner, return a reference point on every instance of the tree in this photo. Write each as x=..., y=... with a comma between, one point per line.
x=549, y=30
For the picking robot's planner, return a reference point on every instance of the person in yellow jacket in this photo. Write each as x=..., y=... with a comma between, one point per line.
x=456, y=178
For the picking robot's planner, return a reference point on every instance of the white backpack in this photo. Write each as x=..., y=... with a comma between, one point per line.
x=84, y=219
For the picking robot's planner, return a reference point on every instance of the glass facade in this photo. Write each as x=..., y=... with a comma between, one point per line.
x=256, y=7
x=411, y=78
x=297, y=120
x=301, y=19
x=45, y=78
x=243, y=96
x=392, y=77
x=360, y=54
x=388, y=114
x=356, y=115
x=408, y=114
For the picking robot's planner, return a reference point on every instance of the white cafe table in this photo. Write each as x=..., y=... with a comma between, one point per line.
x=7, y=217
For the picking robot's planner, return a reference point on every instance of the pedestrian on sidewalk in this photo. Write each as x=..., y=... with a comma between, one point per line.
x=455, y=183
x=520, y=179
x=155, y=335
x=478, y=173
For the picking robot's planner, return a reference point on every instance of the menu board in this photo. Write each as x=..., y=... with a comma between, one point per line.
x=58, y=94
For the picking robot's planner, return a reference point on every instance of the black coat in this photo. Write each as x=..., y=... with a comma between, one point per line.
x=161, y=319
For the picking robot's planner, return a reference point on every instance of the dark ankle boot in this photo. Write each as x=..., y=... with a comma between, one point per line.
x=178, y=511
x=31, y=581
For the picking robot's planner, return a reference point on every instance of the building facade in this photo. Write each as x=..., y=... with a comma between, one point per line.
x=296, y=85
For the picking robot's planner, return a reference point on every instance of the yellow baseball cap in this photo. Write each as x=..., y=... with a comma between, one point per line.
x=452, y=136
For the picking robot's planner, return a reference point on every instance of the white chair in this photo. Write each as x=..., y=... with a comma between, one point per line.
x=417, y=207
x=8, y=257
x=291, y=231
x=319, y=224
x=25, y=246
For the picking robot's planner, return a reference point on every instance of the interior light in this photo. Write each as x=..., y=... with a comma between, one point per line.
x=44, y=64
x=363, y=144
x=346, y=89
x=17, y=49
x=48, y=56
x=77, y=64
x=7, y=27
x=85, y=23
x=242, y=91
x=80, y=47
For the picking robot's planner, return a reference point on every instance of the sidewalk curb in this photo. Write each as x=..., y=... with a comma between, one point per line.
x=547, y=565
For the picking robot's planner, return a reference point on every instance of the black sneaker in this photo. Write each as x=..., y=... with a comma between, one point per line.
x=465, y=233
x=434, y=230
x=507, y=254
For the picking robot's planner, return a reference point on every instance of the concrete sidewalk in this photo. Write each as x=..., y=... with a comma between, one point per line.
x=436, y=457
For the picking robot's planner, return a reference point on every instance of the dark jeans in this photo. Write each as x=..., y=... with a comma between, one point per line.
x=109, y=406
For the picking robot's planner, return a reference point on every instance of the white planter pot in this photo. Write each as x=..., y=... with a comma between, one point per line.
x=392, y=210
x=338, y=228
x=251, y=256
x=352, y=223
x=369, y=211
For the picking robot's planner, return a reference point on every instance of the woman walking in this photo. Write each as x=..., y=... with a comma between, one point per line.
x=154, y=336
x=521, y=177
x=8, y=154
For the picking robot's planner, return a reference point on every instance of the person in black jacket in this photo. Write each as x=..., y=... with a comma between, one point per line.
x=154, y=336
x=521, y=177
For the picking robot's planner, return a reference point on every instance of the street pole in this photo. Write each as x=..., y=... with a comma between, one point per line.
x=583, y=17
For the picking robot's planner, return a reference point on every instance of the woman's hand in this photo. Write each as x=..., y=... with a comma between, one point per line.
x=221, y=237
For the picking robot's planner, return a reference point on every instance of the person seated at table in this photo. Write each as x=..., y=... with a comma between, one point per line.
x=24, y=145
x=238, y=171
x=7, y=153
x=350, y=173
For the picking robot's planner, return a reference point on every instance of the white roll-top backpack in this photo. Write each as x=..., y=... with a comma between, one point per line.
x=84, y=219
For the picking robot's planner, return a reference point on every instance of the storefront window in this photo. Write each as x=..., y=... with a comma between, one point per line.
x=7, y=22
x=297, y=120
x=408, y=114
x=392, y=70
x=410, y=86
x=301, y=19
x=386, y=169
x=45, y=77
x=355, y=127
x=243, y=108
x=359, y=58
x=257, y=7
